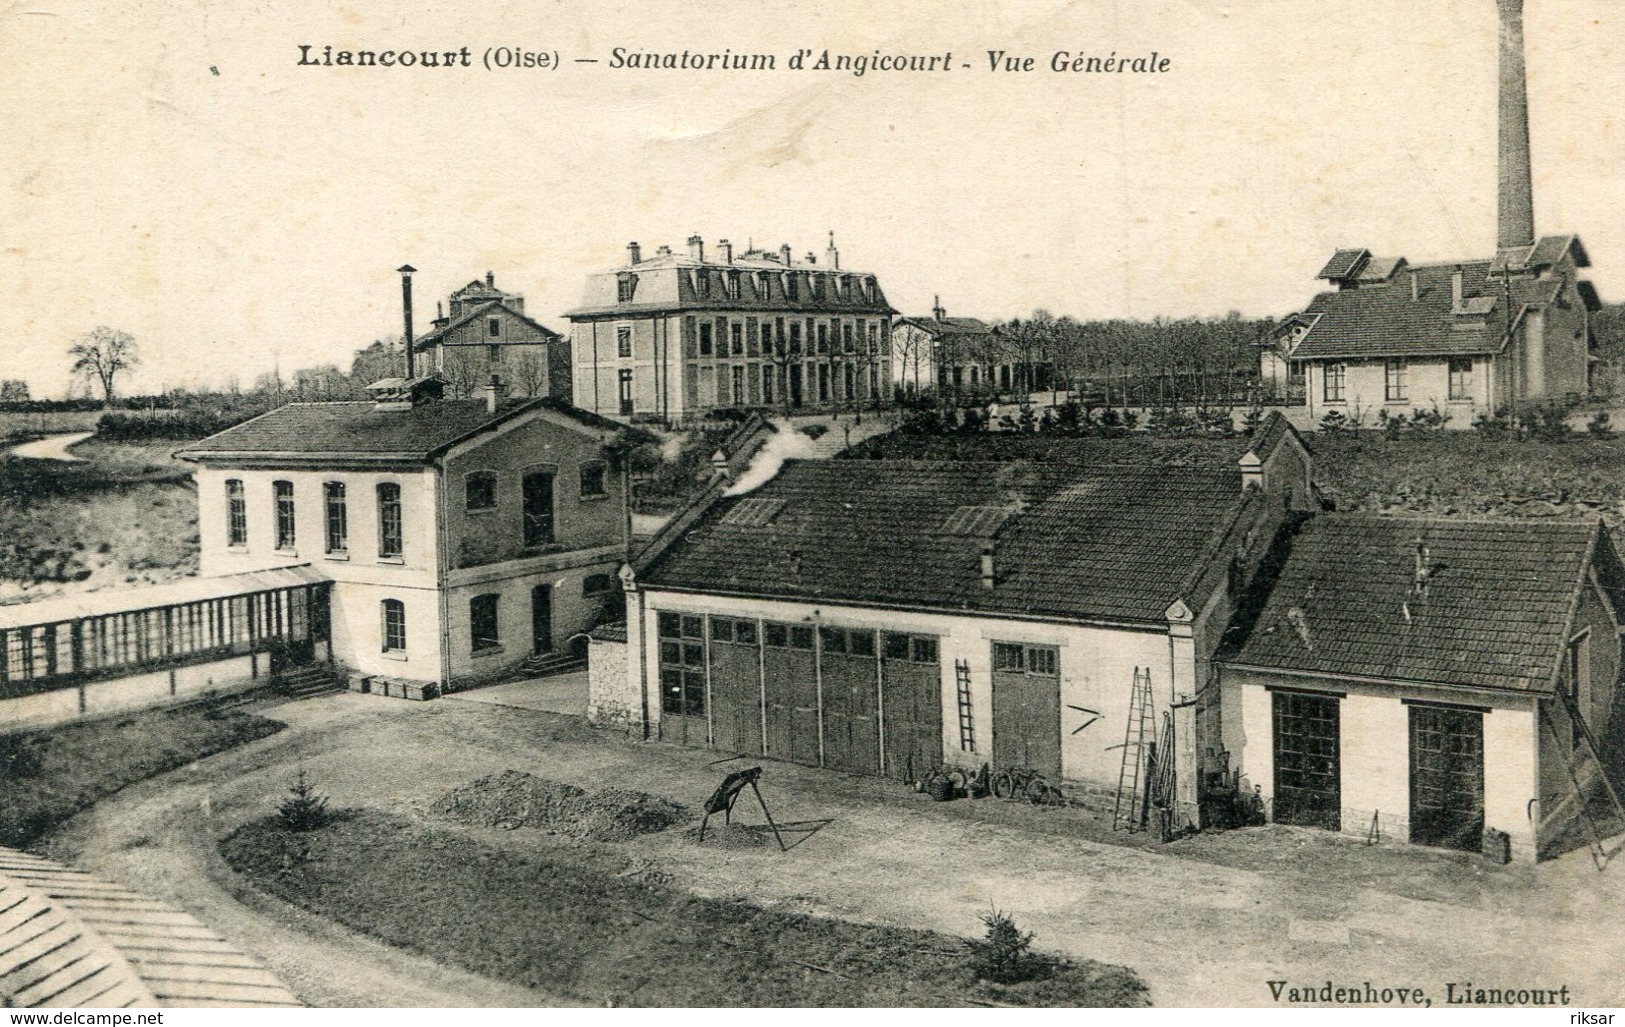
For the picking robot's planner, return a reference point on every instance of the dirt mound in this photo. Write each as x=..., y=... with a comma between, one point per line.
x=514, y=799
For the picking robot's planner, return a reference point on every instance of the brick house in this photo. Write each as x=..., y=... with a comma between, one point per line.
x=486, y=331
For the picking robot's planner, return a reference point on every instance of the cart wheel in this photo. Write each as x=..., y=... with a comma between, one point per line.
x=960, y=780
x=1039, y=793
x=1004, y=785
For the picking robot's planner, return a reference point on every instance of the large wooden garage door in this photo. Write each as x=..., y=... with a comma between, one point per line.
x=851, y=700
x=911, y=688
x=682, y=679
x=790, y=683
x=736, y=686
x=1307, y=775
x=1447, y=777
x=1027, y=708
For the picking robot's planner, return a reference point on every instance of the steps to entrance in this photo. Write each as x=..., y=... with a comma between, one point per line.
x=309, y=681
x=541, y=665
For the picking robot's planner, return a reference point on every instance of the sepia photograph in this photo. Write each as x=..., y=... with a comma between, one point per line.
x=788, y=504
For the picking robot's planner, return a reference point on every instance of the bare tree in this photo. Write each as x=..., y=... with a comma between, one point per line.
x=104, y=354
x=464, y=370
x=528, y=373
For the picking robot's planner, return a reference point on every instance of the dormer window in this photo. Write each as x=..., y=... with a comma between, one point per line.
x=733, y=285
x=702, y=282
x=626, y=284
x=792, y=287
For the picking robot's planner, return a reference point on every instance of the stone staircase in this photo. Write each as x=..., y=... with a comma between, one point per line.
x=309, y=681
x=541, y=665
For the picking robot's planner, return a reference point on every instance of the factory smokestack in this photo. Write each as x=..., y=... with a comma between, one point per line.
x=1515, y=225
x=406, y=313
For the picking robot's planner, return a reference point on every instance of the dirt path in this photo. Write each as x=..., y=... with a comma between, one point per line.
x=53, y=447
x=1206, y=921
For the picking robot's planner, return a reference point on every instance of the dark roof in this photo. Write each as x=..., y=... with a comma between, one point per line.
x=1375, y=316
x=949, y=325
x=1104, y=543
x=434, y=336
x=1495, y=613
x=302, y=431
x=1344, y=264
x=614, y=631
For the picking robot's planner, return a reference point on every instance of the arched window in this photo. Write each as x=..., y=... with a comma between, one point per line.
x=394, y=628
x=236, y=514
x=389, y=520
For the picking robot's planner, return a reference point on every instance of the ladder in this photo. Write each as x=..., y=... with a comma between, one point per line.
x=1128, y=814
x=967, y=724
x=1600, y=854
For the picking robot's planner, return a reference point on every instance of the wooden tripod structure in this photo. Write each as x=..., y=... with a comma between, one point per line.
x=722, y=801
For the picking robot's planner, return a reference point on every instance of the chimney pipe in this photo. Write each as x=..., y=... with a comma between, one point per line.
x=987, y=566
x=406, y=271
x=727, y=249
x=696, y=248
x=784, y=253
x=1416, y=286
x=832, y=256
x=493, y=393
x=490, y=280
x=1455, y=289
x=634, y=252
x=1421, y=567
x=1515, y=225
x=936, y=308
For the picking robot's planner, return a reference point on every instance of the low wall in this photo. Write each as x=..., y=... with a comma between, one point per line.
x=612, y=699
x=150, y=688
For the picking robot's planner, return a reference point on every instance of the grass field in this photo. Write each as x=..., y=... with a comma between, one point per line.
x=565, y=919
x=127, y=515
x=15, y=426
x=48, y=776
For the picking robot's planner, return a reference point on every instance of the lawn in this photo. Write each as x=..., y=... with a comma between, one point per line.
x=48, y=776
x=566, y=918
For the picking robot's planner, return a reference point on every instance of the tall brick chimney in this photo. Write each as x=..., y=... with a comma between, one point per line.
x=407, y=271
x=1515, y=225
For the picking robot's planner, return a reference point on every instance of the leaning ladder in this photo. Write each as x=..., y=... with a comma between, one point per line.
x=1128, y=813
x=1600, y=854
x=967, y=723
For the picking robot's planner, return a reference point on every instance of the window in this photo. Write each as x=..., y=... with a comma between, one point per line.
x=390, y=538
x=767, y=383
x=623, y=342
x=480, y=491
x=846, y=337
x=1008, y=657
x=494, y=327
x=914, y=648
x=1578, y=685
x=738, y=376
x=626, y=390
x=625, y=286
x=283, y=493
x=1333, y=376
x=538, y=508
x=823, y=338
x=738, y=632
x=705, y=339
x=338, y=527
x=736, y=339
x=236, y=514
x=493, y=354
x=483, y=632
x=1395, y=387
x=752, y=337
x=682, y=664
x=1461, y=377
x=593, y=479
x=597, y=585
x=394, y=633
x=733, y=285
x=787, y=636
x=795, y=337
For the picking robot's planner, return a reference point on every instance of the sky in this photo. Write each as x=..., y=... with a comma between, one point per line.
x=177, y=175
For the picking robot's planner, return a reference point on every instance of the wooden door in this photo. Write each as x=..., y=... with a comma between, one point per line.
x=911, y=697
x=1027, y=709
x=790, y=686
x=1447, y=777
x=736, y=686
x=851, y=701
x=541, y=619
x=1308, y=777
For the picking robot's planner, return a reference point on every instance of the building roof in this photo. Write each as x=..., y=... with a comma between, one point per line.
x=307, y=431
x=433, y=338
x=1094, y=543
x=1375, y=315
x=1495, y=612
x=60, y=609
x=949, y=325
